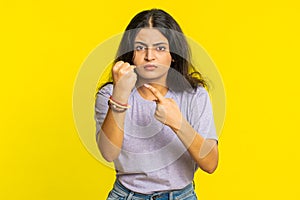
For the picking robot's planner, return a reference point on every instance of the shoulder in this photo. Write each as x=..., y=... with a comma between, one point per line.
x=105, y=90
x=188, y=99
x=191, y=94
x=197, y=99
x=201, y=91
x=201, y=96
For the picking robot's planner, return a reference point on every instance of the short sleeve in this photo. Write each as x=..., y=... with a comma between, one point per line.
x=101, y=105
x=201, y=114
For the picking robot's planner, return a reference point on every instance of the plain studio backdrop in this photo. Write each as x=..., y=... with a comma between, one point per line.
x=255, y=46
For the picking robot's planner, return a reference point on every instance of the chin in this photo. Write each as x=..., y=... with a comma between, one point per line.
x=156, y=80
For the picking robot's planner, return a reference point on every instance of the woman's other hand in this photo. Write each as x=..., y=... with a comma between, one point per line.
x=167, y=111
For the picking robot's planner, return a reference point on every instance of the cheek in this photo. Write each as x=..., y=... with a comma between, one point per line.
x=134, y=58
x=138, y=57
x=168, y=60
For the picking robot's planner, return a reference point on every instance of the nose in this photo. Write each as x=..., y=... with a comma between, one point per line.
x=150, y=54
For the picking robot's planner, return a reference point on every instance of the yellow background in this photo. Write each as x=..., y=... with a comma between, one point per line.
x=255, y=45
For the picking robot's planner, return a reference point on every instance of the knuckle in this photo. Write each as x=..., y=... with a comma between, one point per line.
x=121, y=71
x=126, y=64
x=114, y=69
x=119, y=63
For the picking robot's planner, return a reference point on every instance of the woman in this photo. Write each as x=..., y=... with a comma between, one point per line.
x=155, y=120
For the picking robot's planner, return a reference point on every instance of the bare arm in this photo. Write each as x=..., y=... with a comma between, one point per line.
x=111, y=134
x=203, y=151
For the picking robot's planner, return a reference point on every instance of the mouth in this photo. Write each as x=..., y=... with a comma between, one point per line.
x=150, y=67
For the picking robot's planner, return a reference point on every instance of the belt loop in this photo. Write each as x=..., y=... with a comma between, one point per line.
x=129, y=197
x=171, y=196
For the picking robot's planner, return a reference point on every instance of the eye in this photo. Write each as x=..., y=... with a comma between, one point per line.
x=161, y=48
x=140, y=48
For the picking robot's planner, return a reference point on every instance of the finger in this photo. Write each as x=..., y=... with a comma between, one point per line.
x=118, y=65
x=160, y=110
x=124, y=67
x=155, y=92
x=125, y=70
x=160, y=113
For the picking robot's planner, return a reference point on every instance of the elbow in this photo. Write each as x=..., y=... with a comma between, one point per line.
x=209, y=165
x=108, y=158
x=108, y=150
x=211, y=170
x=109, y=154
x=210, y=161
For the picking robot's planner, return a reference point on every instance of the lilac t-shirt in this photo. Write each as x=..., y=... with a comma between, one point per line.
x=153, y=158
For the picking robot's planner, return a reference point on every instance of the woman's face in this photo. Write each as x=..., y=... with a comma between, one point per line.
x=152, y=57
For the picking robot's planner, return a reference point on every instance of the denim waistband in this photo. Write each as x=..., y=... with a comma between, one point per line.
x=172, y=194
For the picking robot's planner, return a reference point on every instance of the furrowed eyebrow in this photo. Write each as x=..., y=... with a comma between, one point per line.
x=156, y=44
x=160, y=43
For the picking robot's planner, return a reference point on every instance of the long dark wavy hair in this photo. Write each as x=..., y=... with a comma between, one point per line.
x=182, y=74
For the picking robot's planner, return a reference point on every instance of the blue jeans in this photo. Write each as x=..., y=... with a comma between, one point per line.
x=120, y=192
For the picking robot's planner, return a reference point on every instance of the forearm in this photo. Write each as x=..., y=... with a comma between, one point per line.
x=111, y=135
x=203, y=151
x=112, y=132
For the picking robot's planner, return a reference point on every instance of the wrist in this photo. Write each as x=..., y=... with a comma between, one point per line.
x=120, y=96
x=117, y=106
x=180, y=126
x=121, y=99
